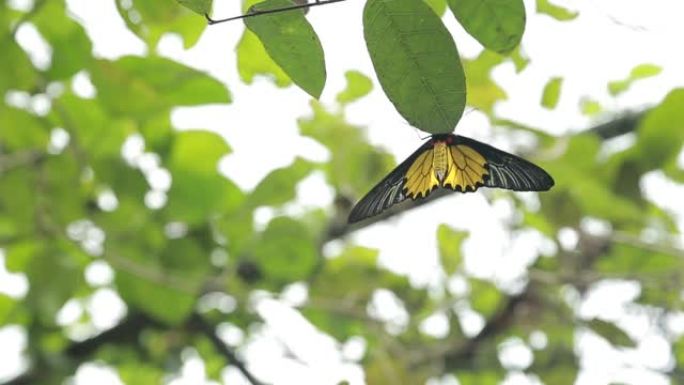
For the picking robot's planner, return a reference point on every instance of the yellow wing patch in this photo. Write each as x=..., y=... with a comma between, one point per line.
x=420, y=177
x=466, y=169
x=458, y=167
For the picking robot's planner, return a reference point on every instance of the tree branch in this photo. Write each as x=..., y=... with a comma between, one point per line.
x=128, y=331
x=620, y=126
x=461, y=353
x=200, y=324
x=252, y=13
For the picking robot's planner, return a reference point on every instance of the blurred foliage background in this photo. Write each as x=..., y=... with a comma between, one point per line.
x=172, y=243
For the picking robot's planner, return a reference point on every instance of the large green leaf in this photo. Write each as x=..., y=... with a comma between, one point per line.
x=417, y=63
x=292, y=43
x=496, y=24
x=142, y=87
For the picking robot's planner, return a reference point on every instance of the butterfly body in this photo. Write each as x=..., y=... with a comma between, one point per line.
x=452, y=162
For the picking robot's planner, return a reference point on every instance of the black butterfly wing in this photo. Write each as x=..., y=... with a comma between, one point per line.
x=388, y=192
x=507, y=170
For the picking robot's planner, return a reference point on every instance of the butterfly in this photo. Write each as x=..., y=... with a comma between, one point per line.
x=452, y=162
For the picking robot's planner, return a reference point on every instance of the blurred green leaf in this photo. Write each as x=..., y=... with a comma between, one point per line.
x=358, y=86
x=557, y=12
x=198, y=190
x=483, y=92
x=143, y=87
x=416, y=62
x=19, y=199
x=163, y=284
x=71, y=47
x=590, y=107
x=485, y=298
x=449, y=242
x=47, y=295
x=679, y=351
x=20, y=254
x=550, y=372
x=353, y=274
x=128, y=184
x=355, y=165
x=642, y=71
x=497, y=24
x=551, y=93
x=661, y=132
x=278, y=187
x=62, y=194
x=202, y=7
x=7, y=306
x=347, y=283
x=611, y=332
x=584, y=186
x=152, y=19
x=625, y=260
x=285, y=251
x=139, y=373
x=157, y=132
x=252, y=60
x=95, y=132
x=22, y=130
x=291, y=42
x=18, y=71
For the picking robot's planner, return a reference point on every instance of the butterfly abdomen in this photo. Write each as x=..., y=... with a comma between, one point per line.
x=440, y=160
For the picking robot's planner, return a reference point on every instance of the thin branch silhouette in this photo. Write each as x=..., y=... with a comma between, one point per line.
x=251, y=13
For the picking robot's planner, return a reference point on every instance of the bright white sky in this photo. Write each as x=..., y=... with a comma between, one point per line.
x=604, y=43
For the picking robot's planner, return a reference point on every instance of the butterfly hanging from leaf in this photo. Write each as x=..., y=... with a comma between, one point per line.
x=451, y=162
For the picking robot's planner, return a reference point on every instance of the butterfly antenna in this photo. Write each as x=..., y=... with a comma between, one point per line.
x=252, y=12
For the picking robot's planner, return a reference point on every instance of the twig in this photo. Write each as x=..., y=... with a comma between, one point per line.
x=211, y=21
